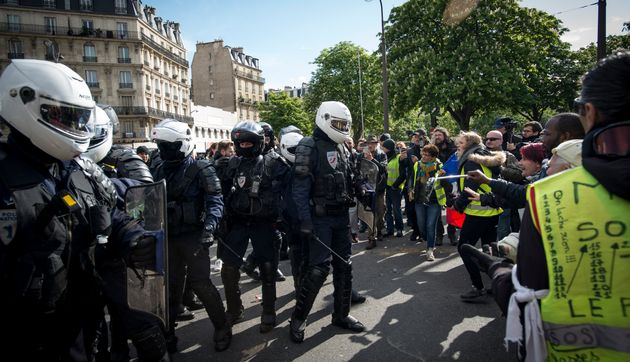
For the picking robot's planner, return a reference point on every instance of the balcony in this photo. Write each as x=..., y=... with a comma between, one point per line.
x=157, y=91
x=120, y=10
x=86, y=6
x=166, y=73
x=174, y=76
x=124, y=60
x=167, y=95
x=67, y=31
x=146, y=62
x=147, y=87
x=15, y=55
x=165, y=52
x=93, y=84
x=175, y=97
x=90, y=59
x=135, y=111
x=250, y=76
x=125, y=85
x=156, y=67
x=184, y=80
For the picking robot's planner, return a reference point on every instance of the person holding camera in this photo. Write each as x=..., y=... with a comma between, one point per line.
x=506, y=126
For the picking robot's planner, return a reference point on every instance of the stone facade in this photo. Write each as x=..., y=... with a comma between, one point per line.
x=130, y=58
x=227, y=78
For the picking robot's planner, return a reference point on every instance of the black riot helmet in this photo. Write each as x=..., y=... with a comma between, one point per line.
x=248, y=131
x=268, y=134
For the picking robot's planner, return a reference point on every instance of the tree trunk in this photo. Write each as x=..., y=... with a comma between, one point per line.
x=462, y=116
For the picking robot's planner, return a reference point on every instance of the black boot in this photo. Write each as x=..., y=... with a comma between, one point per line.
x=312, y=281
x=230, y=276
x=268, y=277
x=371, y=244
x=342, y=282
x=190, y=299
x=211, y=300
x=356, y=298
x=452, y=234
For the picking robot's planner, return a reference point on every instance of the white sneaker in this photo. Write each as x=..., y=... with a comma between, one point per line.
x=216, y=267
x=430, y=256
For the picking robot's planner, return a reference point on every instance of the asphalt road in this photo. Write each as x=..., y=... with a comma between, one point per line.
x=413, y=313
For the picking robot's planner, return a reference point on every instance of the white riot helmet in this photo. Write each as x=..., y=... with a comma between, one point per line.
x=101, y=142
x=288, y=143
x=49, y=104
x=174, y=140
x=335, y=120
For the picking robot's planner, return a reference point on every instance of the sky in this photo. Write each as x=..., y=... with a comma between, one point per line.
x=287, y=35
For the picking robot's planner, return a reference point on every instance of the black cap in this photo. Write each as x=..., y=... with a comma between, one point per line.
x=142, y=149
x=385, y=136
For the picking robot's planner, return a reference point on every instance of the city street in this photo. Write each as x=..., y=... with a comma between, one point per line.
x=412, y=313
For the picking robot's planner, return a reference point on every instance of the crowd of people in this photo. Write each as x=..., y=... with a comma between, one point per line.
x=70, y=241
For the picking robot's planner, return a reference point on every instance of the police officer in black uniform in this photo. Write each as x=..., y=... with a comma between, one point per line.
x=58, y=216
x=195, y=207
x=253, y=209
x=322, y=191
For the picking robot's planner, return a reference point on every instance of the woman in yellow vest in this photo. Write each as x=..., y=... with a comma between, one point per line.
x=481, y=221
x=572, y=272
x=428, y=203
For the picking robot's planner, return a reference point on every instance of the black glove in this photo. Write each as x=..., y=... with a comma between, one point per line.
x=207, y=238
x=142, y=253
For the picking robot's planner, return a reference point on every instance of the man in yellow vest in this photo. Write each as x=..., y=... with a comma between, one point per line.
x=572, y=272
x=396, y=175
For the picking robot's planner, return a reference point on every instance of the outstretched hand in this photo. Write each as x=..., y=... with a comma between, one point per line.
x=478, y=177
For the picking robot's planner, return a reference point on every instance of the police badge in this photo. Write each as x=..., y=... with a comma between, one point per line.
x=332, y=158
x=8, y=224
x=241, y=181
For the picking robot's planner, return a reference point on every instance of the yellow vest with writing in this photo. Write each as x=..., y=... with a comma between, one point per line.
x=586, y=235
x=393, y=171
x=440, y=195
x=474, y=207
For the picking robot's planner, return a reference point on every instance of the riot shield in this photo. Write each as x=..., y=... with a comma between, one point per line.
x=147, y=289
x=368, y=171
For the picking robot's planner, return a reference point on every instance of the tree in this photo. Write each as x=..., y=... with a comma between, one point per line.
x=587, y=57
x=475, y=64
x=280, y=111
x=336, y=78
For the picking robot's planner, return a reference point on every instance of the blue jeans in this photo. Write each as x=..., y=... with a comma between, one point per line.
x=393, y=197
x=504, y=227
x=427, y=221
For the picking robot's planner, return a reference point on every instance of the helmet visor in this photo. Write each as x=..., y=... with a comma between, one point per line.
x=291, y=150
x=74, y=120
x=613, y=141
x=340, y=125
x=101, y=133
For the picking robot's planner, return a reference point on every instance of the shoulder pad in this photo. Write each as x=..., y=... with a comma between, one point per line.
x=303, y=161
x=105, y=188
x=210, y=180
x=273, y=157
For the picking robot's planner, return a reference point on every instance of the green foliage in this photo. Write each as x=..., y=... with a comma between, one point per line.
x=501, y=56
x=281, y=110
x=337, y=79
x=586, y=57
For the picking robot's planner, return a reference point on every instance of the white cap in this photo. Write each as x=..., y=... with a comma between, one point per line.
x=570, y=151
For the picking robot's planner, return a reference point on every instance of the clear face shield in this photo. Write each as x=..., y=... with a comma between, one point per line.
x=75, y=121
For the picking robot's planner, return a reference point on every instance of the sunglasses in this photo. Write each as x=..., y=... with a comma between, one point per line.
x=613, y=140
x=493, y=139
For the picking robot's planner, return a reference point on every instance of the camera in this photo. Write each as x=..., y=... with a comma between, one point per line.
x=508, y=123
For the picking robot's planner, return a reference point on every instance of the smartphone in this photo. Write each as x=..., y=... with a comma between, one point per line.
x=366, y=149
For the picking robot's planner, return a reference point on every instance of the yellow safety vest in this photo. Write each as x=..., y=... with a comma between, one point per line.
x=393, y=172
x=474, y=207
x=586, y=235
x=439, y=190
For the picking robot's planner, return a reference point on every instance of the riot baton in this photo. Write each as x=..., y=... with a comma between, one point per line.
x=314, y=237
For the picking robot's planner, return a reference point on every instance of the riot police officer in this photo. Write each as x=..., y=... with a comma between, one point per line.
x=58, y=215
x=195, y=207
x=322, y=190
x=253, y=208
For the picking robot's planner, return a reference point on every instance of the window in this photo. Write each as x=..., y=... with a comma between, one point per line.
x=126, y=101
x=12, y=2
x=96, y=99
x=51, y=4
x=90, y=78
x=210, y=69
x=167, y=90
x=211, y=95
x=86, y=5
x=157, y=86
x=87, y=24
x=121, y=30
x=125, y=79
x=120, y=6
x=123, y=55
x=89, y=53
x=15, y=49
x=51, y=25
x=14, y=23
x=211, y=81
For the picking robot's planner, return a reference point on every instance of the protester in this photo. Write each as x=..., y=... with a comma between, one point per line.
x=396, y=174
